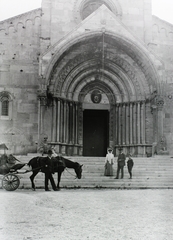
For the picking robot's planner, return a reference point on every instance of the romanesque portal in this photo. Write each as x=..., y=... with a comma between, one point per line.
x=99, y=93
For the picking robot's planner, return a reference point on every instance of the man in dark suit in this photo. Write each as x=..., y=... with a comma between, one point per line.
x=48, y=170
x=120, y=163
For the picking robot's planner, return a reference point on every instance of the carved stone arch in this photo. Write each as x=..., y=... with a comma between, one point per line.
x=114, y=6
x=28, y=21
x=71, y=73
x=20, y=24
x=37, y=20
x=72, y=82
x=6, y=105
x=11, y=30
x=57, y=70
x=139, y=54
x=7, y=95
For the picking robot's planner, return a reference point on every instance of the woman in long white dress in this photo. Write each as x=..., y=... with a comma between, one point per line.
x=109, y=161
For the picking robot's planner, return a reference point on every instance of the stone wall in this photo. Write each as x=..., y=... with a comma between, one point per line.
x=162, y=45
x=19, y=53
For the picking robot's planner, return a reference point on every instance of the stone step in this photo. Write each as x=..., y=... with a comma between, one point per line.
x=147, y=173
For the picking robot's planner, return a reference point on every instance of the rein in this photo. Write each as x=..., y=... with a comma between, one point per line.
x=71, y=173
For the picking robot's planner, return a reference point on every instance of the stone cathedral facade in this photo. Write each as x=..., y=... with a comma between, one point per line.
x=87, y=74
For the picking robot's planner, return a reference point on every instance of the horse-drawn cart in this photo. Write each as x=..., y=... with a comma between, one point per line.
x=9, y=170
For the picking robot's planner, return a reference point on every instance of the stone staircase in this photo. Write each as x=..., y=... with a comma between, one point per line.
x=155, y=172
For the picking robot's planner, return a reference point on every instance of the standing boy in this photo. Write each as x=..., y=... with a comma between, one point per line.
x=130, y=164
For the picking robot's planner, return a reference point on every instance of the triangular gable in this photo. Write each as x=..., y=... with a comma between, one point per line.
x=104, y=19
x=100, y=20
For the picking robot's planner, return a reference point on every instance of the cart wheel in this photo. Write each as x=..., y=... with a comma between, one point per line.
x=10, y=182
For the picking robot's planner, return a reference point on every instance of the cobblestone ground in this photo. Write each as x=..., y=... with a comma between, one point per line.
x=86, y=214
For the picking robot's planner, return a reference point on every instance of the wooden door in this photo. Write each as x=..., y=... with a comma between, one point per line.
x=95, y=132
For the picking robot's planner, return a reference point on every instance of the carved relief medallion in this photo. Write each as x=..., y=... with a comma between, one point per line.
x=96, y=96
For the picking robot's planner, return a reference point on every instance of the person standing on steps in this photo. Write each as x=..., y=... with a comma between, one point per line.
x=109, y=161
x=130, y=164
x=120, y=163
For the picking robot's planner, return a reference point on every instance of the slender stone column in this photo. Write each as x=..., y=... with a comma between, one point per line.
x=39, y=118
x=65, y=121
x=62, y=114
x=76, y=133
x=161, y=138
x=131, y=123
x=54, y=120
x=74, y=123
x=61, y=121
x=143, y=122
x=134, y=123
x=119, y=124
x=58, y=120
x=123, y=124
x=71, y=121
x=116, y=124
x=160, y=121
x=42, y=104
x=127, y=123
x=138, y=123
x=80, y=126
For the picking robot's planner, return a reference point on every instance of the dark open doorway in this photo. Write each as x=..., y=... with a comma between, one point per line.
x=95, y=132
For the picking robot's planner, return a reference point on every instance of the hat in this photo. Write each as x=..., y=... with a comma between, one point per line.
x=49, y=152
x=120, y=148
x=109, y=149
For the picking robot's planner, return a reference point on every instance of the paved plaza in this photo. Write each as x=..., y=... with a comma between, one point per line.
x=86, y=214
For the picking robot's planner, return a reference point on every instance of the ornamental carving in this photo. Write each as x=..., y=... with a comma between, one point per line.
x=157, y=102
x=118, y=61
x=96, y=96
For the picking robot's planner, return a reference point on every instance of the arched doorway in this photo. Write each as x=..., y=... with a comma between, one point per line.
x=122, y=73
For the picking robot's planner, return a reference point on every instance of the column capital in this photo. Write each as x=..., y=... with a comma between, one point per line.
x=42, y=97
x=157, y=102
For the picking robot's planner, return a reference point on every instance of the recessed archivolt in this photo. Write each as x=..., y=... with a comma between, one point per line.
x=134, y=51
x=115, y=69
x=127, y=65
x=116, y=93
x=119, y=83
x=73, y=85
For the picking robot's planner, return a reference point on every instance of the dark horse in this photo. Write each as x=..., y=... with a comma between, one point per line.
x=59, y=164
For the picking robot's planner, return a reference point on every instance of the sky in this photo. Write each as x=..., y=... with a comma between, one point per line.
x=10, y=8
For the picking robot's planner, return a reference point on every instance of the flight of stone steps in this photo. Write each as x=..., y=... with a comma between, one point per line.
x=154, y=172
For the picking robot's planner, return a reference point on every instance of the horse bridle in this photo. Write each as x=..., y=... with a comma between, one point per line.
x=73, y=174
